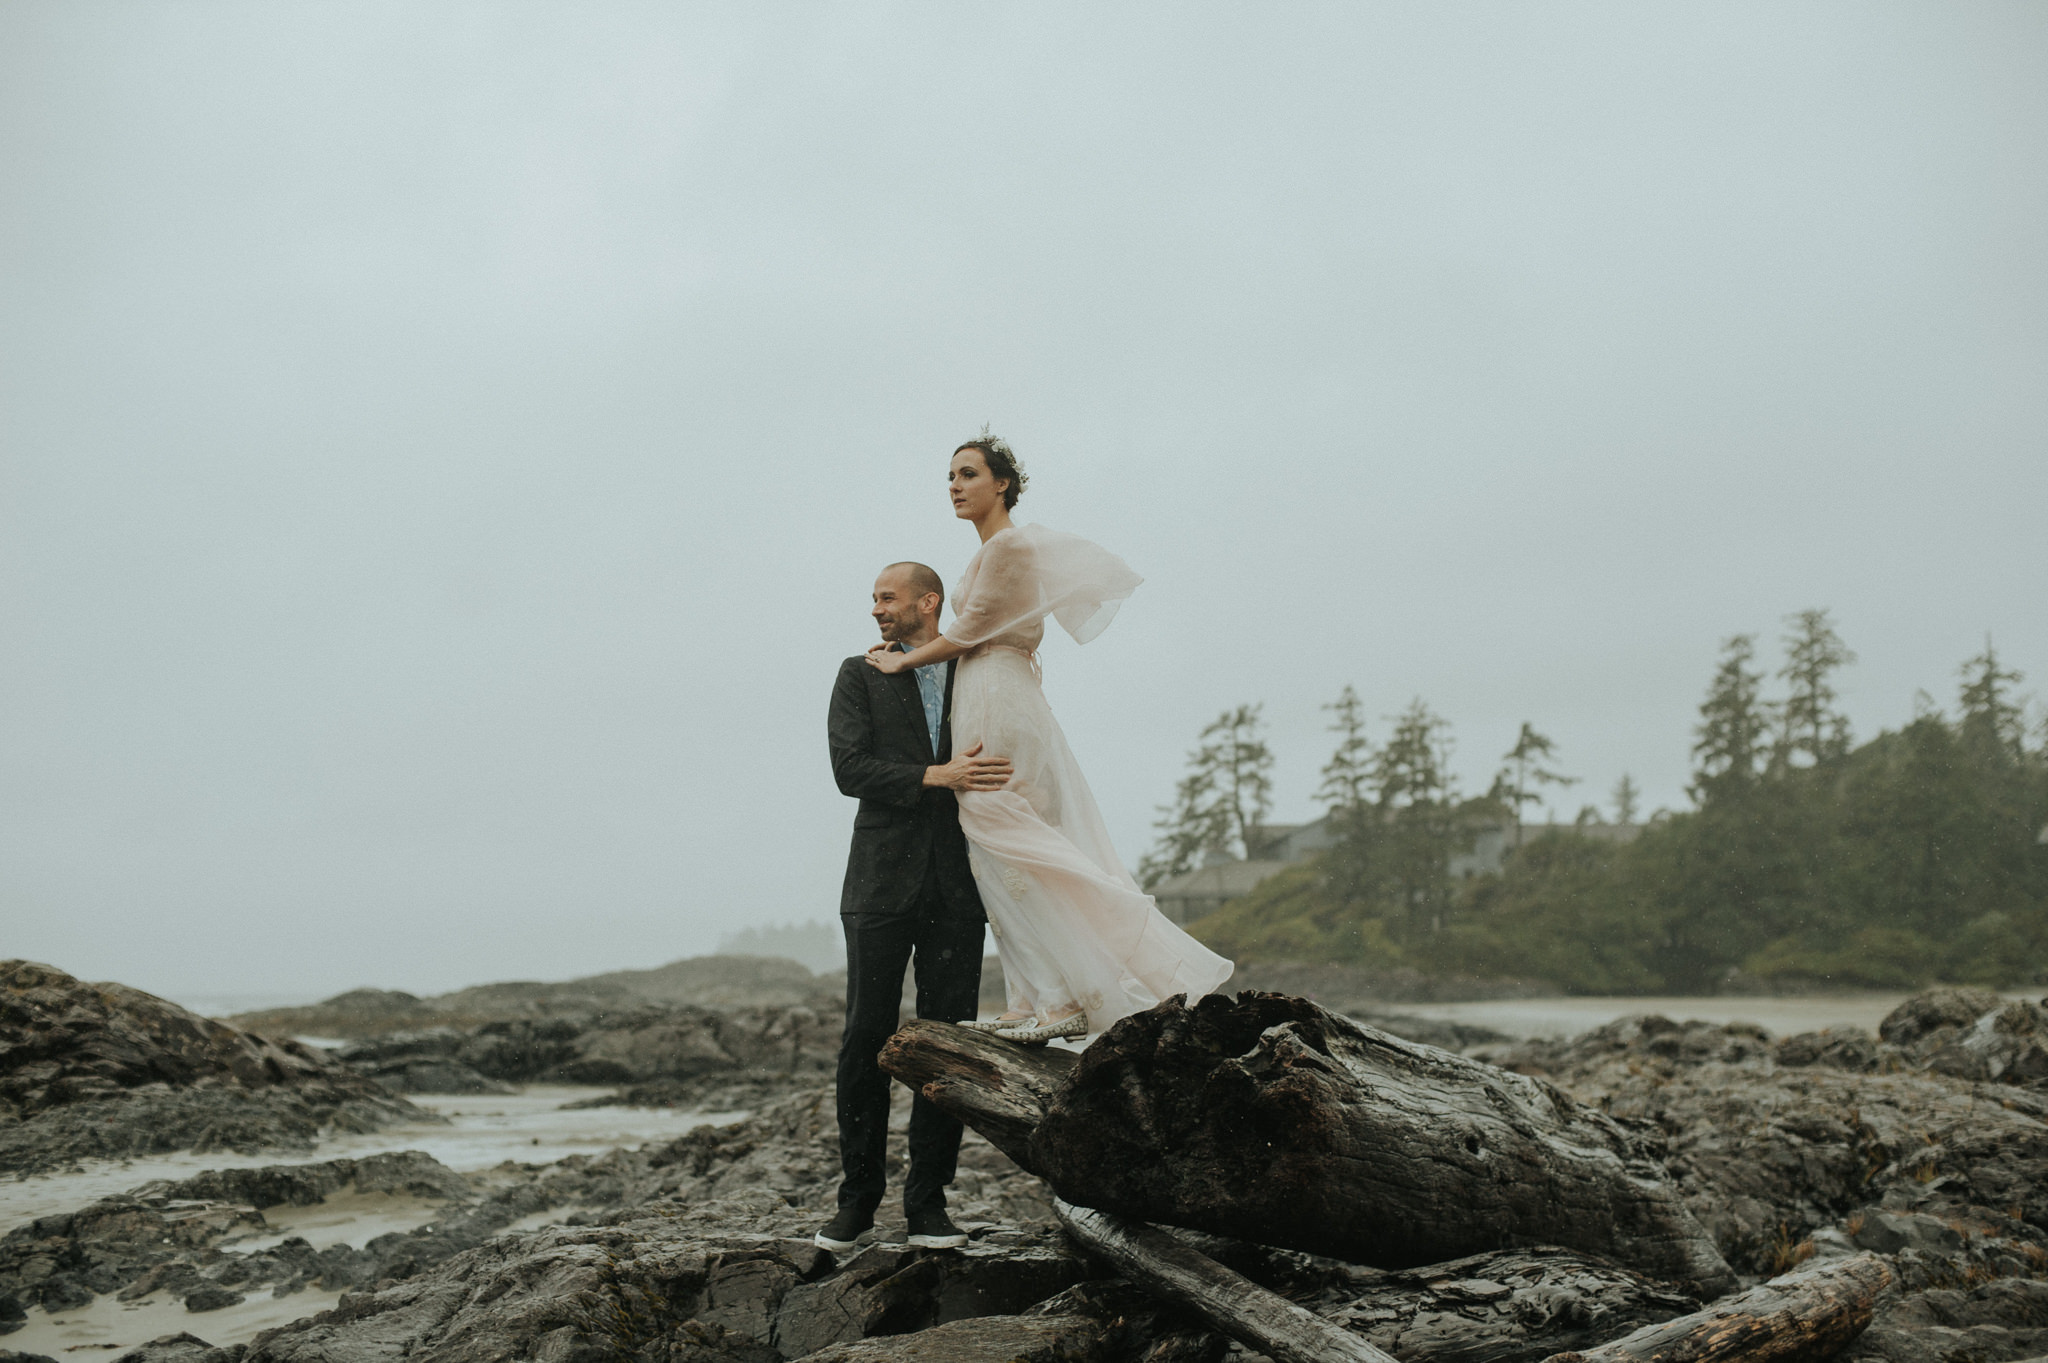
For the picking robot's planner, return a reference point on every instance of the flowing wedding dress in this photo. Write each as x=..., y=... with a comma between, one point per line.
x=1071, y=926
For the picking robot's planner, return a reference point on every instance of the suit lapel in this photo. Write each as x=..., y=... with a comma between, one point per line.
x=945, y=753
x=904, y=684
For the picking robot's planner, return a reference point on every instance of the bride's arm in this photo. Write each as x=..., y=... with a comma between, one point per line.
x=938, y=650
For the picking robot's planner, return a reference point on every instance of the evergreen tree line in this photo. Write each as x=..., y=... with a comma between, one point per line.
x=1806, y=857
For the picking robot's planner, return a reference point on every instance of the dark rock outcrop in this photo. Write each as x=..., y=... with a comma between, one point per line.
x=102, y=1070
x=731, y=983
x=177, y=1236
x=1797, y=1151
x=689, y=1050
x=1933, y=1011
x=1768, y=1153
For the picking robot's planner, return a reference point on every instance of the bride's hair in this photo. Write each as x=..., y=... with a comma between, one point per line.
x=1002, y=463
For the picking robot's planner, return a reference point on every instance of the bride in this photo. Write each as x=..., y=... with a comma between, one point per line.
x=1081, y=944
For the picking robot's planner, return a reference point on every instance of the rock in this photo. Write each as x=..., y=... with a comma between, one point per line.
x=178, y=1348
x=2002, y=1319
x=1935, y=1010
x=1449, y=1036
x=303, y=1185
x=639, y=1045
x=2010, y=1044
x=890, y=1289
x=1511, y=1305
x=168, y=1236
x=420, y=1062
x=65, y=1041
x=651, y=1280
x=1844, y=1048
x=211, y=1297
x=102, y=1070
x=765, y=984
x=991, y=1339
x=63, y=1292
x=1891, y=1232
x=1768, y=1154
x=10, y=1356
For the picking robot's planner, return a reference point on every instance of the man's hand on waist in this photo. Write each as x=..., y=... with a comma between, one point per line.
x=970, y=771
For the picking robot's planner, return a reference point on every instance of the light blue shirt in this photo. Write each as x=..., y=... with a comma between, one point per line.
x=931, y=689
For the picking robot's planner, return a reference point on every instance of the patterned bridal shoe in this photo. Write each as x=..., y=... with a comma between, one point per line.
x=995, y=1024
x=1034, y=1034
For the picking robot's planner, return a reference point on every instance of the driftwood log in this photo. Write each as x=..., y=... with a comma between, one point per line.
x=1504, y=1306
x=1806, y=1315
x=999, y=1088
x=1231, y=1304
x=1268, y=1118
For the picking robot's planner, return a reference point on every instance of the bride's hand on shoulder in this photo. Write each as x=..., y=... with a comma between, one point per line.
x=885, y=659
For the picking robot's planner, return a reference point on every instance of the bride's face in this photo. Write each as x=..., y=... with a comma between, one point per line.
x=973, y=491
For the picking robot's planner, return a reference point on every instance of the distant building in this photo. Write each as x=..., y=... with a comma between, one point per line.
x=1275, y=847
x=1492, y=843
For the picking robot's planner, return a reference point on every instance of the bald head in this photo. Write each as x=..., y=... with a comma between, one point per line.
x=923, y=580
x=907, y=600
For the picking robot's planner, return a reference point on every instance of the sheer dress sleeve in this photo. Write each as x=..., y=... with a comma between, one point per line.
x=1026, y=573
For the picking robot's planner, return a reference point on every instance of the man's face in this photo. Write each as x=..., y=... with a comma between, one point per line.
x=895, y=607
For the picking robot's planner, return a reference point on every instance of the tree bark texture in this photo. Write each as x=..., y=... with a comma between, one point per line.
x=1236, y=1306
x=1268, y=1118
x=1505, y=1306
x=1802, y=1317
x=999, y=1088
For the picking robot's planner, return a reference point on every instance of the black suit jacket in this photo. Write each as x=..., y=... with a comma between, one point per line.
x=904, y=831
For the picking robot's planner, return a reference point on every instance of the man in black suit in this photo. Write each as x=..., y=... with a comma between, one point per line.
x=909, y=896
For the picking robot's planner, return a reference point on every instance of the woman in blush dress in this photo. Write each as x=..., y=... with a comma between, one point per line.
x=1081, y=944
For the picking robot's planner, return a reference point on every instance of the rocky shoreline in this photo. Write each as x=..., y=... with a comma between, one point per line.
x=1926, y=1143
x=107, y=1072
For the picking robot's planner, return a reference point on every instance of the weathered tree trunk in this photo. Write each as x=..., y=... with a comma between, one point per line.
x=1270, y=1119
x=1232, y=1304
x=1504, y=1306
x=1801, y=1317
x=999, y=1088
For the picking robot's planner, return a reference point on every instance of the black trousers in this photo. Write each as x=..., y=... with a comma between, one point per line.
x=945, y=945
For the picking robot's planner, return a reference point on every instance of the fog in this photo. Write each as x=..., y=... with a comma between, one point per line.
x=445, y=450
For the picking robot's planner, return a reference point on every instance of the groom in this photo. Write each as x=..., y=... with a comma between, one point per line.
x=909, y=897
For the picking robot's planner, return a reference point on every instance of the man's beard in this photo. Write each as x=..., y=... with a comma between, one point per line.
x=896, y=631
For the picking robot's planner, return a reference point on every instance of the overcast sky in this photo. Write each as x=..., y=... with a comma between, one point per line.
x=445, y=449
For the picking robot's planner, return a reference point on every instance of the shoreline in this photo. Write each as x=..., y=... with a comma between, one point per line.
x=1561, y=1017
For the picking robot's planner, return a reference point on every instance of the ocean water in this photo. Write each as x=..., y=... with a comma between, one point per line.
x=1569, y=1017
x=481, y=1132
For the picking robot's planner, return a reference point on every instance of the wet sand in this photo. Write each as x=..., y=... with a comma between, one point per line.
x=109, y=1324
x=482, y=1132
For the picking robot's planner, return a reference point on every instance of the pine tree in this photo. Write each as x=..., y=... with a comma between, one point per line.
x=1992, y=723
x=1243, y=764
x=1515, y=785
x=1732, y=729
x=1188, y=828
x=1347, y=776
x=1809, y=724
x=1627, y=799
x=1221, y=802
x=1416, y=827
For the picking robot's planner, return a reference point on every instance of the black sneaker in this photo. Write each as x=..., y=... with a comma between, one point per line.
x=933, y=1229
x=842, y=1230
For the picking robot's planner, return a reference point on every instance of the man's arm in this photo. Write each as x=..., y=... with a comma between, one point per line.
x=850, y=729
